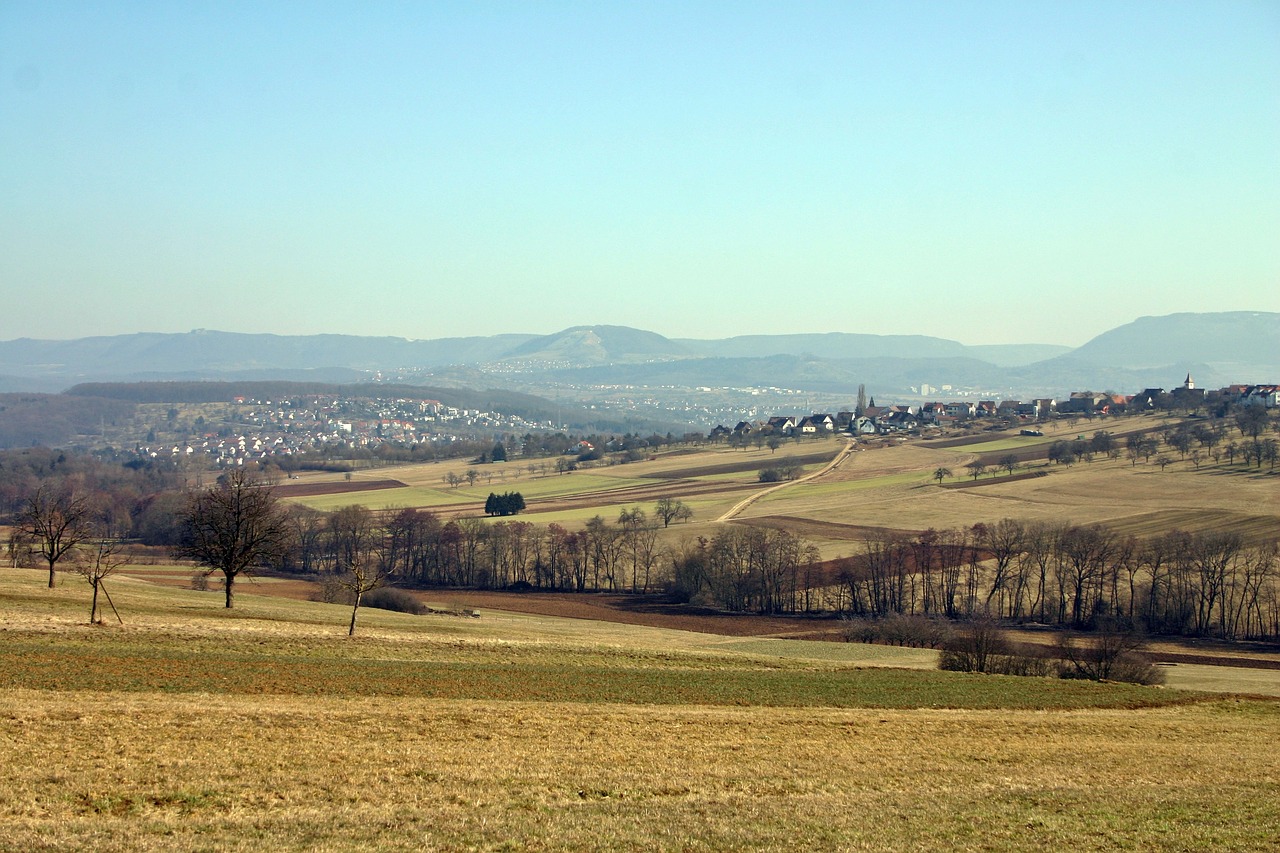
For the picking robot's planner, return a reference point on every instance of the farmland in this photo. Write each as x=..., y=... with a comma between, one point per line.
x=191, y=726
x=598, y=721
x=883, y=484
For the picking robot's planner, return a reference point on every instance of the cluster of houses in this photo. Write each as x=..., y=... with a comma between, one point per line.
x=882, y=420
x=281, y=428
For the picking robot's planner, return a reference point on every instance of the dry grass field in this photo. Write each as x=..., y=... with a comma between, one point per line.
x=194, y=728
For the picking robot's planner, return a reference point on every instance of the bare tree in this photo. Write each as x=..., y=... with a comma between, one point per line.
x=358, y=540
x=364, y=574
x=100, y=563
x=941, y=474
x=1111, y=653
x=233, y=527
x=671, y=509
x=1004, y=540
x=1008, y=462
x=56, y=524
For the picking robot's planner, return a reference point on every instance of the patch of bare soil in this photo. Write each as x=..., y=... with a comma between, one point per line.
x=991, y=481
x=655, y=611
x=308, y=490
x=739, y=467
x=824, y=529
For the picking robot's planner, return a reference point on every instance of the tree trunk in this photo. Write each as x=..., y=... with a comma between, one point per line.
x=93, y=611
x=354, y=610
x=227, y=580
x=52, y=570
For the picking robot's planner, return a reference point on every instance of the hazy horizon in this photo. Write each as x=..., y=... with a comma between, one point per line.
x=989, y=173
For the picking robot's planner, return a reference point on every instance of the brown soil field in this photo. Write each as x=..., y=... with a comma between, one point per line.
x=651, y=610
x=302, y=490
x=816, y=528
x=989, y=481
x=1053, y=430
x=751, y=465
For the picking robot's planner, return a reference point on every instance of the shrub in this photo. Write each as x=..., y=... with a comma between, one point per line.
x=1113, y=653
x=332, y=591
x=899, y=629
x=399, y=600
x=975, y=648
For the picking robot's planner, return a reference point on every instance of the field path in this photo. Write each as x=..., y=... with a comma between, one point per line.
x=830, y=466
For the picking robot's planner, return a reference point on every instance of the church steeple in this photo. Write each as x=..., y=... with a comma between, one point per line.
x=1190, y=384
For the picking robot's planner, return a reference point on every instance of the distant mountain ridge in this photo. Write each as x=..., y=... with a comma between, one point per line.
x=1220, y=347
x=1232, y=337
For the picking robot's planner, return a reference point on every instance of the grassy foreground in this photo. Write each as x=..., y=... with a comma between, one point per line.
x=192, y=728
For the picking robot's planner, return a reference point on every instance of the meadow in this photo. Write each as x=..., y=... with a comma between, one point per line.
x=191, y=727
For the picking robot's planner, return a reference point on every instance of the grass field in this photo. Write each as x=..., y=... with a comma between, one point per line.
x=193, y=728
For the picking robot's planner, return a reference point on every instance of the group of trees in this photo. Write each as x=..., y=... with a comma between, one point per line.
x=749, y=569
x=507, y=503
x=1203, y=584
x=61, y=528
x=419, y=548
x=1209, y=583
x=1194, y=442
x=780, y=472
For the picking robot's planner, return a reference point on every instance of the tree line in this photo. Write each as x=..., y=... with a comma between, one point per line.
x=1209, y=583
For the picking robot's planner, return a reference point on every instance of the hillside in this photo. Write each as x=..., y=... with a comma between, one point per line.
x=1221, y=348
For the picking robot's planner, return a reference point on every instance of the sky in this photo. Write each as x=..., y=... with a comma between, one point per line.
x=987, y=172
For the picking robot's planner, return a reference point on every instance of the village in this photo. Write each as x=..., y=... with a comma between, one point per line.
x=330, y=425
x=893, y=419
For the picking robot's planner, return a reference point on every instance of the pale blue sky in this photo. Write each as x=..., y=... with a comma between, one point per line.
x=987, y=172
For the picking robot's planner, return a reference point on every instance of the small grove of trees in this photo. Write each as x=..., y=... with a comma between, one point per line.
x=417, y=547
x=780, y=472
x=508, y=503
x=748, y=569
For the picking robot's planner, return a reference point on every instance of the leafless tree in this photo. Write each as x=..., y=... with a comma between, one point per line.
x=98, y=564
x=55, y=524
x=233, y=527
x=671, y=509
